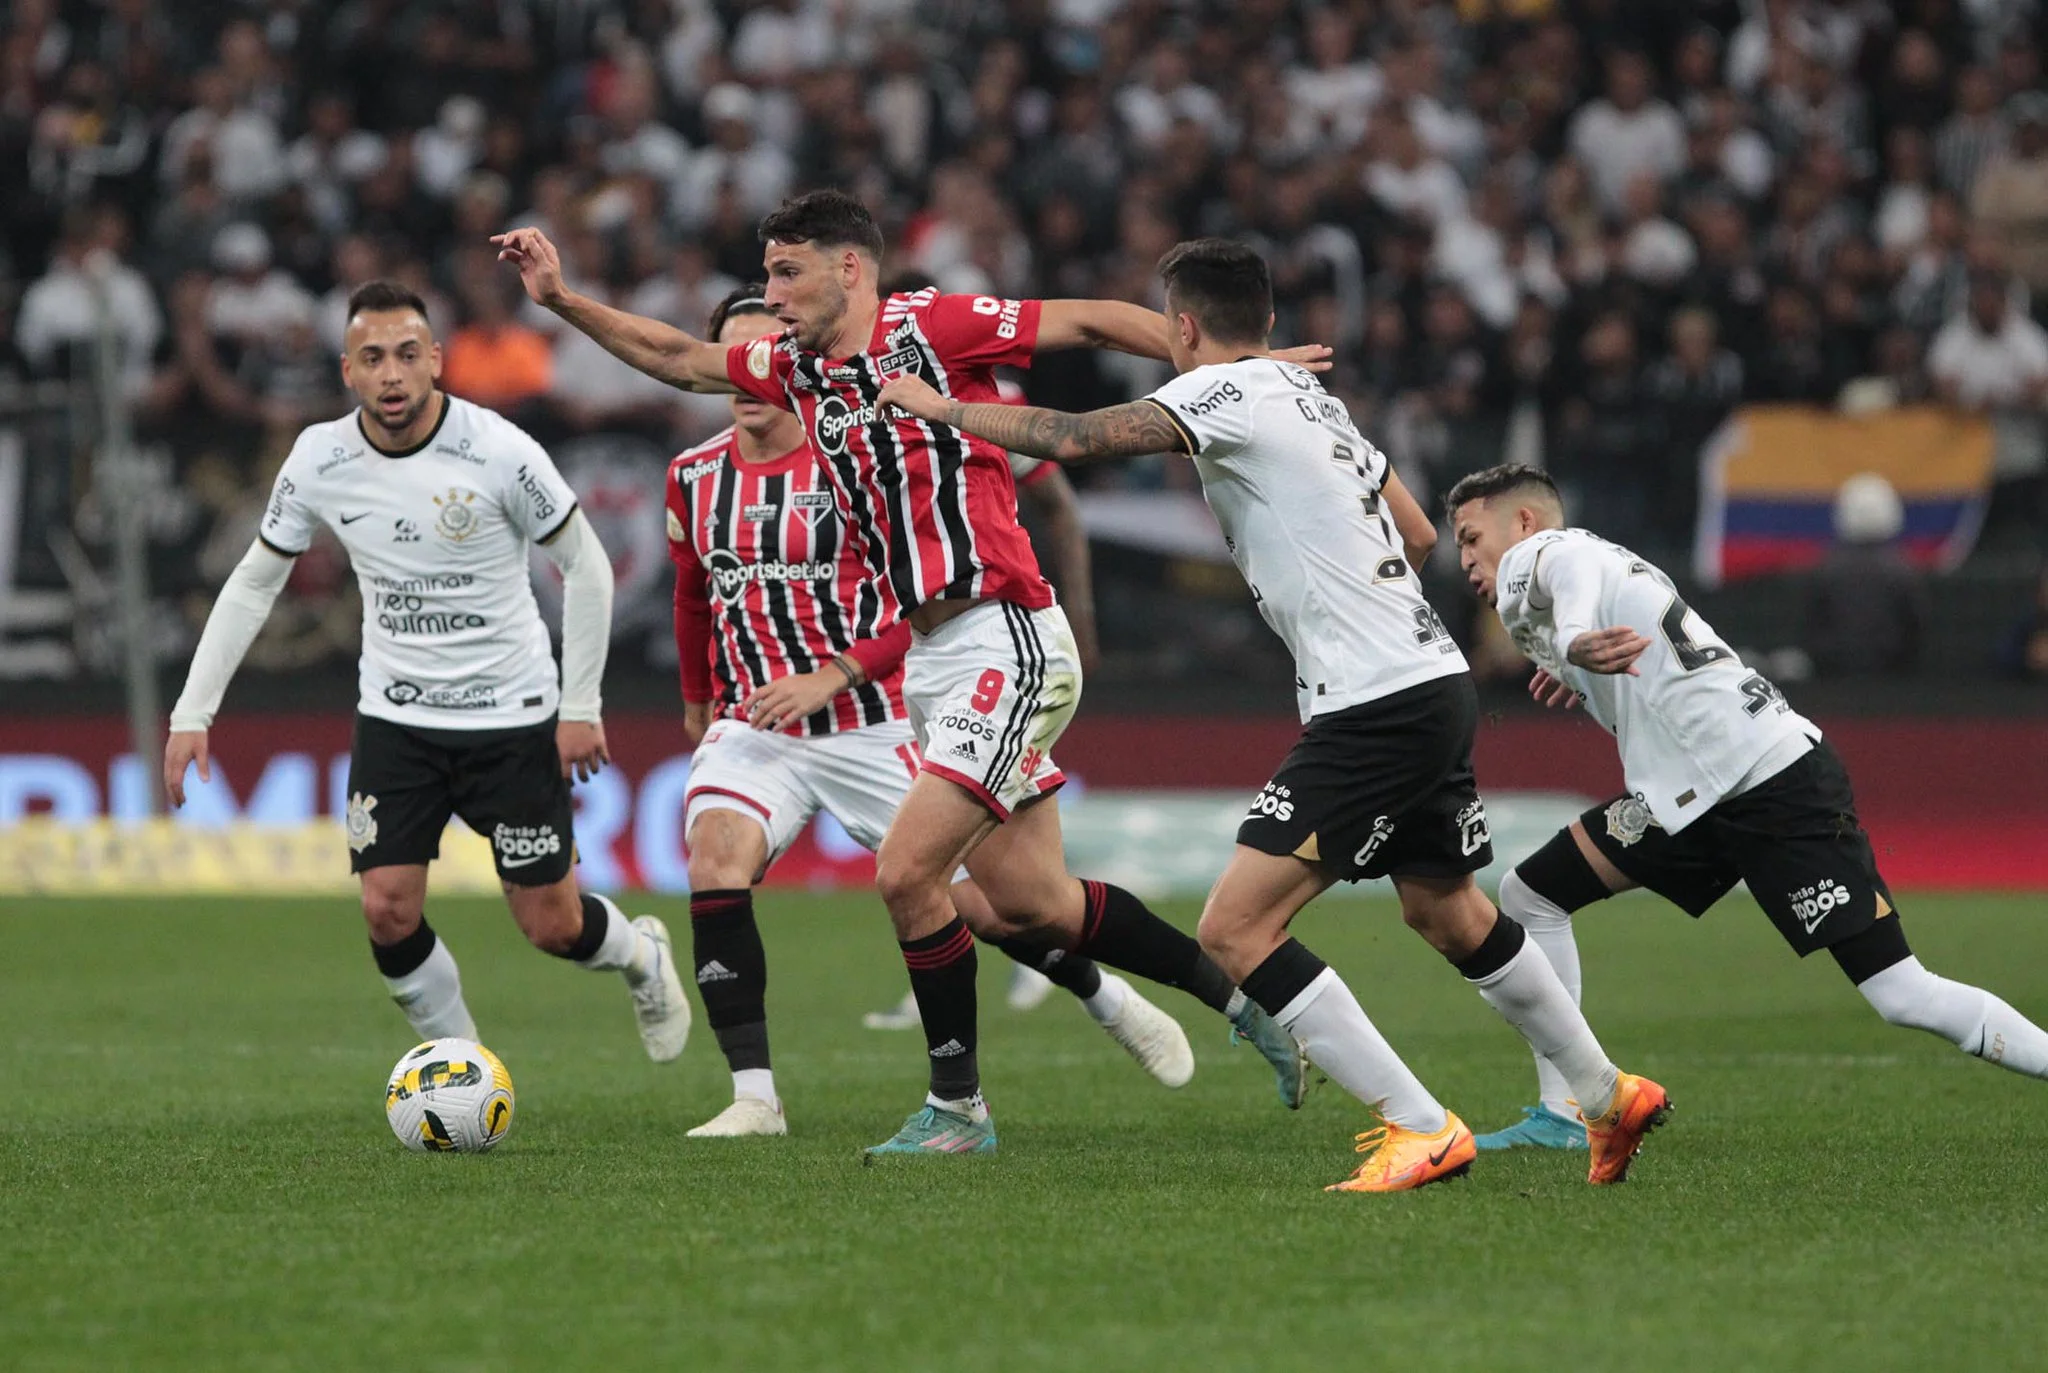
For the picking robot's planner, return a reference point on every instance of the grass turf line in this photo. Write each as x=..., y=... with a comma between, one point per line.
x=197, y=1173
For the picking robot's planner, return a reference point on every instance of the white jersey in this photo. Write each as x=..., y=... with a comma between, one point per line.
x=1696, y=724
x=1297, y=493
x=438, y=536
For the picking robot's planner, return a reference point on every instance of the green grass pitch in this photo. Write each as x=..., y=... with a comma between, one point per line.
x=195, y=1171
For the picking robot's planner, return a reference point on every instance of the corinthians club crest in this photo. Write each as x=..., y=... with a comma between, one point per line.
x=359, y=824
x=458, y=519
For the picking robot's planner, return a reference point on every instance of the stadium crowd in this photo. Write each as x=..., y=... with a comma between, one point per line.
x=1578, y=231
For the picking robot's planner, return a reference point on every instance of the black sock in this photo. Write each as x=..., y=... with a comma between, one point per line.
x=396, y=960
x=1501, y=944
x=732, y=974
x=596, y=921
x=1284, y=975
x=1118, y=929
x=942, y=968
x=1067, y=970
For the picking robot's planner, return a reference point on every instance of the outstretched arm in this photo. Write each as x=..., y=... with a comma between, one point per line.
x=238, y=613
x=646, y=345
x=1120, y=431
x=1123, y=327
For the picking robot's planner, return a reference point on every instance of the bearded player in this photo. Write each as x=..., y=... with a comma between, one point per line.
x=992, y=675
x=1726, y=782
x=1381, y=781
x=793, y=695
x=437, y=502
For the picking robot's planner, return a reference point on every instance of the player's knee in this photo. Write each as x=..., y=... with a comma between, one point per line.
x=727, y=852
x=906, y=882
x=391, y=914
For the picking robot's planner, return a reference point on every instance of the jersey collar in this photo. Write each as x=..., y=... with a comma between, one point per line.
x=447, y=404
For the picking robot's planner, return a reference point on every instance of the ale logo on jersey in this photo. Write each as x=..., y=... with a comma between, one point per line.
x=458, y=519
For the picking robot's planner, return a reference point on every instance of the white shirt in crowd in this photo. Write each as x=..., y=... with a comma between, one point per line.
x=1617, y=147
x=1991, y=370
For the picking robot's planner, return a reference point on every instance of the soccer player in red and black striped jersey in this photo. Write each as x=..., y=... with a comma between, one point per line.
x=992, y=675
x=793, y=694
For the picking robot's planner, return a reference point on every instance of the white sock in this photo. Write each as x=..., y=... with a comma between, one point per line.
x=1527, y=993
x=1108, y=1002
x=1550, y=925
x=1343, y=1042
x=431, y=997
x=622, y=949
x=1968, y=1017
x=974, y=1108
x=758, y=1083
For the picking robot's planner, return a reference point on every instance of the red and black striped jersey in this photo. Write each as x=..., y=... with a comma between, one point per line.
x=770, y=581
x=935, y=509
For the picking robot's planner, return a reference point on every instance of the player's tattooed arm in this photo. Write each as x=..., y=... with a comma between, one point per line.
x=1120, y=431
x=647, y=345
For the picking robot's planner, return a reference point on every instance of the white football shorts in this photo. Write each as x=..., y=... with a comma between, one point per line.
x=992, y=690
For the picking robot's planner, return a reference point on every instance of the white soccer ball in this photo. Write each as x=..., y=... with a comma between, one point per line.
x=449, y=1096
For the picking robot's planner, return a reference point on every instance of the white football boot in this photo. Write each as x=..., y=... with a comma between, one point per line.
x=902, y=1016
x=1151, y=1036
x=659, y=1001
x=1028, y=988
x=748, y=1115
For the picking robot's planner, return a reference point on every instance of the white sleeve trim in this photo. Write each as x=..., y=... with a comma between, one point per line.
x=586, y=616
x=238, y=614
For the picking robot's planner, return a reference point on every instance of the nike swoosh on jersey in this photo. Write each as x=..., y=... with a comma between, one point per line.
x=351, y=519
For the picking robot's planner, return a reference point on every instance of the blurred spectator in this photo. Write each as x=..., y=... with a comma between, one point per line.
x=62, y=310
x=637, y=142
x=493, y=359
x=2025, y=651
x=357, y=261
x=332, y=156
x=1628, y=133
x=1407, y=181
x=1695, y=385
x=248, y=156
x=759, y=173
x=445, y=150
x=1991, y=356
x=1794, y=364
x=1333, y=87
x=1973, y=135
x=1654, y=250
x=1606, y=452
x=1866, y=609
x=2011, y=196
x=253, y=304
x=1903, y=204
x=1895, y=376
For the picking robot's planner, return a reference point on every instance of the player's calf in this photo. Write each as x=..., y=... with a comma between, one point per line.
x=592, y=932
x=416, y=965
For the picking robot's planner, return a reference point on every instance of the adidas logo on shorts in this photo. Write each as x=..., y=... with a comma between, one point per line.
x=715, y=971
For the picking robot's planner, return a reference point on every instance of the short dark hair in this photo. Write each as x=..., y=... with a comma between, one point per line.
x=830, y=219
x=378, y=296
x=1224, y=284
x=750, y=299
x=1500, y=481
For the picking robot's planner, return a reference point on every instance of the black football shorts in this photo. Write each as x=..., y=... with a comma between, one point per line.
x=506, y=784
x=1381, y=789
x=1794, y=838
